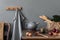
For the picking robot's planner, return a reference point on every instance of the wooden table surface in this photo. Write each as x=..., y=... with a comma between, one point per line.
x=39, y=38
x=24, y=37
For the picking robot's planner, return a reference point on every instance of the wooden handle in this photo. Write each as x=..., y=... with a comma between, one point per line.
x=13, y=8
x=45, y=18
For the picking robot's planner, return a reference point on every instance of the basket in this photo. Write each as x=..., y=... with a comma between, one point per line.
x=52, y=25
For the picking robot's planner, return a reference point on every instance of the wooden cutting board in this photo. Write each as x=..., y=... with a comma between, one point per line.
x=1, y=30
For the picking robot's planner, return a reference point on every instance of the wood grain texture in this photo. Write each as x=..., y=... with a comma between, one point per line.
x=13, y=8
x=39, y=38
x=24, y=37
x=1, y=30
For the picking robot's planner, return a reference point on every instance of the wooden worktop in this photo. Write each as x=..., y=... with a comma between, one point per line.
x=24, y=37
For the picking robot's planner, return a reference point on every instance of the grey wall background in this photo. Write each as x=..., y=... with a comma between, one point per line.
x=31, y=9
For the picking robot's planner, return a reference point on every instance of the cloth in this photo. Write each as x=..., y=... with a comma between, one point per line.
x=17, y=26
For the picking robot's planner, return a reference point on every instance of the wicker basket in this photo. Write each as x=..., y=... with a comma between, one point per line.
x=52, y=25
